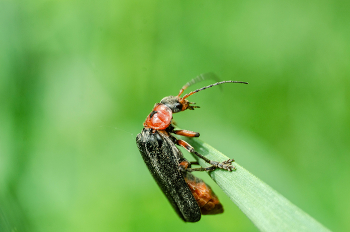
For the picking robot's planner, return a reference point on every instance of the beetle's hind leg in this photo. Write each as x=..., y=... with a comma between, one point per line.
x=211, y=168
x=185, y=166
x=226, y=165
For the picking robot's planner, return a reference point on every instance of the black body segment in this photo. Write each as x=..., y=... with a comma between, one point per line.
x=162, y=158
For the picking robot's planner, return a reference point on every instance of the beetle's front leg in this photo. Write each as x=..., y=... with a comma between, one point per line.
x=186, y=133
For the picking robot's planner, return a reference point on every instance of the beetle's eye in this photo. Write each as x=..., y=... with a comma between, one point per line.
x=178, y=106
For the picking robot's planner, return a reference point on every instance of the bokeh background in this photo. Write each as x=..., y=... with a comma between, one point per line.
x=78, y=78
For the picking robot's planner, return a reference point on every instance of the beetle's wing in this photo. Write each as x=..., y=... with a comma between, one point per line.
x=158, y=152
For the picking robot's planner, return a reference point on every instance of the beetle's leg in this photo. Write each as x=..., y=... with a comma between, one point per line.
x=185, y=166
x=173, y=122
x=186, y=133
x=211, y=168
x=223, y=165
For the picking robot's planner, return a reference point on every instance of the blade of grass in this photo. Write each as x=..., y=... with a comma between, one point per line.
x=265, y=207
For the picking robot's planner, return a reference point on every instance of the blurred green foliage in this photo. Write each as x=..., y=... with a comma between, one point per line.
x=78, y=78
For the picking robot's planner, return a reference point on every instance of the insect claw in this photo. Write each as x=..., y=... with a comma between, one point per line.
x=232, y=168
x=229, y=161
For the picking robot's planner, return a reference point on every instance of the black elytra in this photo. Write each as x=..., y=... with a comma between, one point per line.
x=162, y=158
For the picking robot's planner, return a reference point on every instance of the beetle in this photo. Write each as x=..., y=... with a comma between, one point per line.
x=189, y=195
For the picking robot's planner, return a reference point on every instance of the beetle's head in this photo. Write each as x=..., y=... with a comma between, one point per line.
x=177, y=104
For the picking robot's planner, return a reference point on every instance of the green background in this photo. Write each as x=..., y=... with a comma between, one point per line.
x=78, y=78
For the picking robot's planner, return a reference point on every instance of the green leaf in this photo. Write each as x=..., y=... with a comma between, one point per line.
x=265, y=207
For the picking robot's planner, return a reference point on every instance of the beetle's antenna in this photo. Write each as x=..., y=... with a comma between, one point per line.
x=201, y=77
x=209, y=86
